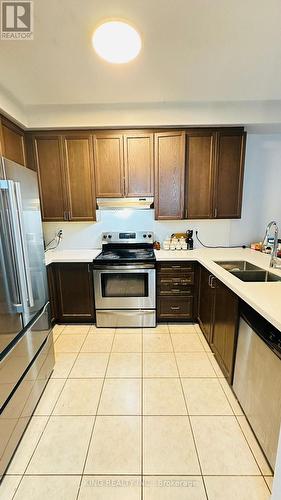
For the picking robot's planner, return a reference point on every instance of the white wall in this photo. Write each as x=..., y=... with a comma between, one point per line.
x=147, y=114
x=261, y=203
x=87, y=235
x=262, y=188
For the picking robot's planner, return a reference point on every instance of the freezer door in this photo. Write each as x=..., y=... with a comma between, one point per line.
x=18, y=358
x=19, y=408
x=11, y=307
x=24, y=197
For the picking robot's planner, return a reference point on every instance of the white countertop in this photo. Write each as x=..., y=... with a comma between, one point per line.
x=80, y=255
x=263, y=297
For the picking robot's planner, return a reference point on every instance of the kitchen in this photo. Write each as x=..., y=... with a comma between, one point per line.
x=140, y=271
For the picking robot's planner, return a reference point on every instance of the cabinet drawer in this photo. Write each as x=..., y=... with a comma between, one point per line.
x=175, y=307
x=175, y=286
x=173, y=267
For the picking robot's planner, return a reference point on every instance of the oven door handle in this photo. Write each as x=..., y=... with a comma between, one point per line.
x=125, y=267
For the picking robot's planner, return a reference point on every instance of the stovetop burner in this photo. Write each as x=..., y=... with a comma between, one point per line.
x=124, y=254
x=130, y=246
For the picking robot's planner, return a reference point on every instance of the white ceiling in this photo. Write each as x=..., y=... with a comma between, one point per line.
x=193, y=51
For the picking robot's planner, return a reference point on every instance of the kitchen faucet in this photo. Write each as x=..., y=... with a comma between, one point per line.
x=274, y=261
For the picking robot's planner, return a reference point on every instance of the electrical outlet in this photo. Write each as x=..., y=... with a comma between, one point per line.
x=60, y=233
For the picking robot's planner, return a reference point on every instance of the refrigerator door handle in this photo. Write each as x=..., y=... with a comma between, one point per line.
x=23, y=243
x=13, y=212
x=10, y=262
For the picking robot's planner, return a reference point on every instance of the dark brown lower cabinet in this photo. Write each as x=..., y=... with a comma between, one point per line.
x=176, y=291
x=71, y=292
x=218, y=318
x=206, y=303
x=225, y=327
x=52, y=293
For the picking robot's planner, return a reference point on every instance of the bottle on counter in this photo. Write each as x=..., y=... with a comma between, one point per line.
x=189, y=239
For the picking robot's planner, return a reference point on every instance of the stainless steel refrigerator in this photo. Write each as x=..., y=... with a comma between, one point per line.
x=26, y=343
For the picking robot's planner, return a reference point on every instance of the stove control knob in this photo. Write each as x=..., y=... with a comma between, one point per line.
x=109, y=236
x=144, y=235
x=150, y=235
x=104, y=236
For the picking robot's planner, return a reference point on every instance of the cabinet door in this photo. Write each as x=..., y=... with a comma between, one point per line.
x=206, y=304
x=52, y=293
x=78, y=157
x=200, y=158
x=138, y=158
x=109, y=165
x=169, y=175
x=74, y=293
x=225, y=328
x=229, y=177
x=49, y=165
x=13, y=142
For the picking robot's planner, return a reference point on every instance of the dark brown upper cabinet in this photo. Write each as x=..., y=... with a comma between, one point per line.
x=169, y=174
x=200, y=161
x=79, y=172
x=109, y=165
x=214, y=173
x=12, y=142
x=138, y=161
x=48, y=158
x=229, y=175
x=66, y=176
x=123, y=164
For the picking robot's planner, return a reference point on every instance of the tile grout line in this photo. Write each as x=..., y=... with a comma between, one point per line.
x=191, y=429
x=48, y=419
x=40, y=436
x=135, y=475
x=142, y=419
x=95, y=418
x=236, y=418
x=51, y=413
x=141, y=414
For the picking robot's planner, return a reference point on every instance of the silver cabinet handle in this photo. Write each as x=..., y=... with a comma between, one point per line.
x=175, y=308
x=213, y=279
x=65, y=215
x=215, y=213
x=24, y=249
x=209, y=280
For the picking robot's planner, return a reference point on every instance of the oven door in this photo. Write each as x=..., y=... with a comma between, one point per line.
x=125, y=286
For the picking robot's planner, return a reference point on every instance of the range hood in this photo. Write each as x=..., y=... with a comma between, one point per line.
x=143, y=203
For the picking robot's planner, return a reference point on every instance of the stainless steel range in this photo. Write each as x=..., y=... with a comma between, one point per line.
x=125, y=280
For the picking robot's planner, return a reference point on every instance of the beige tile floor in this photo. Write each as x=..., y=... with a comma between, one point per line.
x=134, y=414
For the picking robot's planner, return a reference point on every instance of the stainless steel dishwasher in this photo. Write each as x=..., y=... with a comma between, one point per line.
x=257, y=378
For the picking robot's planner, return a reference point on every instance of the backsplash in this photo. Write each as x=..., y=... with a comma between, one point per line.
x=87, y=235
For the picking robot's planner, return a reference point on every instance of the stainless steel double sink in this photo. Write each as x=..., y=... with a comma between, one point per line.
x=246, y=271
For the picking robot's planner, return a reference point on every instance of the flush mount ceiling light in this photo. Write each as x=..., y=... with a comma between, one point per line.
x=117, y=42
